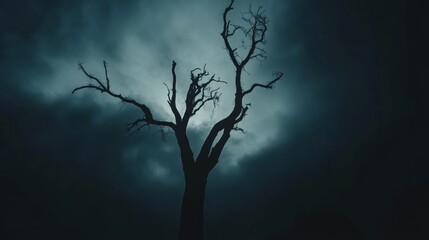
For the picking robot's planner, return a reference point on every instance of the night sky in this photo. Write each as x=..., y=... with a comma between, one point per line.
x=338, y=145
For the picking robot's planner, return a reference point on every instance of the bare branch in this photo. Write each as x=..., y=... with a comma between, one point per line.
x=106, y=75
x=267, y=86
x=172, y=100
x=104, y=89
x=168, y=93
x=243, y=114
x=135, y=123
x=258, y=27
x=214, y=97
x=200, y=92
x=88, y=86
x=91, y=77
x=226, y=34
x=136, y=126
x=164, y=133
x=259, y=57
x=231, y=33
x=239, y=129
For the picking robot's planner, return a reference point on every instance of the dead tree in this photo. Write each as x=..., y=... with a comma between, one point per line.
x=200, y=92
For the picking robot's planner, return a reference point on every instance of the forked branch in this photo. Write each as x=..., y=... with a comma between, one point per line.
x=200, y=92
x=227, y=33
x=105, y=88
x=136, y=126
x=255, y=31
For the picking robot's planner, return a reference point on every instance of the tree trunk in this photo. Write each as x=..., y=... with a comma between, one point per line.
x=192, y=217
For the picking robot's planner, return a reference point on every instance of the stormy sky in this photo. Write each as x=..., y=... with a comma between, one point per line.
x=337, y=144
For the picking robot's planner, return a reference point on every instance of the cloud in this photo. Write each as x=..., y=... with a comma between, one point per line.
x=139, y=50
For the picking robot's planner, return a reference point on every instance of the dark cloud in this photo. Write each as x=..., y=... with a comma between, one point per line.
x=342, y=145
x=63, y=169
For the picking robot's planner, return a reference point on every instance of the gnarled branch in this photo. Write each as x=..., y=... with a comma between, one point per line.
x=256, y=32
x=226, y=33
x=105, y=88
x=267, y=86
x=200, y=92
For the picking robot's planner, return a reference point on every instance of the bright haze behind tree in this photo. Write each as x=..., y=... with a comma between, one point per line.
x=196, y=167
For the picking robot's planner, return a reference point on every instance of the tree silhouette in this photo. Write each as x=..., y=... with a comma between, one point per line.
x=200, y=92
